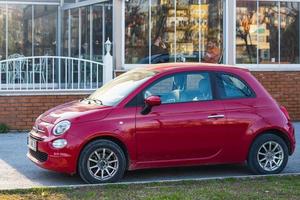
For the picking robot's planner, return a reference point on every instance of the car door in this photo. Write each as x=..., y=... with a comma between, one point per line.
x=188, y=126
x=240, y=102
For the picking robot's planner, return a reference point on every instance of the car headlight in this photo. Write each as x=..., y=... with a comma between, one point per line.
x=61, y=127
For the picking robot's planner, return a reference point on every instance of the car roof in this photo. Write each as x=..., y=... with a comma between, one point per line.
x=193, y=66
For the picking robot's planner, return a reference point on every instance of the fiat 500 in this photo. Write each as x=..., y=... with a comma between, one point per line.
x=165, y=115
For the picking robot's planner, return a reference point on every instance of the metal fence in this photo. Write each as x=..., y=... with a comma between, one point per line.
x=50, y=73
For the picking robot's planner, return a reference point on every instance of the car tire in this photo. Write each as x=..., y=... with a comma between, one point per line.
x=268, y=154
x=102, y=161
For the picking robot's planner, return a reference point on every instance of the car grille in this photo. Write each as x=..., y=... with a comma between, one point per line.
x=40, y=156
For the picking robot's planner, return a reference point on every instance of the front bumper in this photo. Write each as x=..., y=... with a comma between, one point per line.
x=47, y=157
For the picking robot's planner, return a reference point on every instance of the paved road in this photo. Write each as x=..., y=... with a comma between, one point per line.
x=16, y=171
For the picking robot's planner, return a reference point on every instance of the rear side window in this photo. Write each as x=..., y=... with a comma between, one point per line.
x=232, y=87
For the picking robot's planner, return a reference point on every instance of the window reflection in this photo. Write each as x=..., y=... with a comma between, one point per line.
x=45, y=30
x=90, y=27
x=75, y=49
x=275, y=40
x=2, y=31
x=19, y=29
x=162, y=32
x=246, y=32
x=268, y=32
x=137, y=31
x=181, y=31
x=65, y=38
x=85, y=33
x=98, y=37
x=289, y=33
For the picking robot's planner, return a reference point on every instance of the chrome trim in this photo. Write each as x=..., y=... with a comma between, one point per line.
x=215, y=116
x=36, y=129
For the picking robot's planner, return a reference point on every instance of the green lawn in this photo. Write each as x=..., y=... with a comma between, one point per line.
x=287, y=187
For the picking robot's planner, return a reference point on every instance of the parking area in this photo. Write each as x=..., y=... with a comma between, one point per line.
x=16, y=171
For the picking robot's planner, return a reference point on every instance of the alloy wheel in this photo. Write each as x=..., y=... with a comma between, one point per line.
x=270, y=156
x=103, y=164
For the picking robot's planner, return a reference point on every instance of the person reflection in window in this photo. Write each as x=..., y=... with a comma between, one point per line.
x=213, y=52
x=159, y=47
x=84, y=50
x=159, y=51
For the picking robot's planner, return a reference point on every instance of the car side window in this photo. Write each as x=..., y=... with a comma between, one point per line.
x=182, y=87
x=231, y=87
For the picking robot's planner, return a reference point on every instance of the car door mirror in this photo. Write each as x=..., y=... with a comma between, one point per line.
x=153, y=101
x=149, y=103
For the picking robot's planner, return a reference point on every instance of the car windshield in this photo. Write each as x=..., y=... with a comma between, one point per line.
x=116, y=90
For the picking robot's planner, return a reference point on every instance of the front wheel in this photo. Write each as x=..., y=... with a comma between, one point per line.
x=101, y=161
x=268, y=155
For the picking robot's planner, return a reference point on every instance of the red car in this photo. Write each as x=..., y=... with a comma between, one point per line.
x=165, y=115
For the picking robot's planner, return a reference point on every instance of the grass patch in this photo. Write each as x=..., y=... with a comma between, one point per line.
x=3, y=128
x=287, y=187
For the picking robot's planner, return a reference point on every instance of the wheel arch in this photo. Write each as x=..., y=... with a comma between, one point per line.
x=116, y=140
x=277, y=132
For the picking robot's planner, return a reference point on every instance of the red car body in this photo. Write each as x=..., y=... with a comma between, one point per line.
x=170, y=135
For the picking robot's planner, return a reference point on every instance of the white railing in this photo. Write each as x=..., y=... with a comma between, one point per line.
x=50, y=73
x=54, y=73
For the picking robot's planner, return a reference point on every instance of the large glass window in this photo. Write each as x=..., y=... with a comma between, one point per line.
x=65, y=38
x=45, y=24
x=90, y=27
x=19, y=29
x=267, y=32
x=246, y=27
x=27, y=30
x=98, y=38
x=2, y=31
x=75, y=49
x=137, y=31
x=85, y=33
x=289, y=32
x=180, y=30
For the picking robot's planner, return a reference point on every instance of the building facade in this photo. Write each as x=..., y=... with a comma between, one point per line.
x=52, y=51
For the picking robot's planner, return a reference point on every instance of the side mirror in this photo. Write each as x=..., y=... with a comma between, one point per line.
x=153, y=101
x=149, y=103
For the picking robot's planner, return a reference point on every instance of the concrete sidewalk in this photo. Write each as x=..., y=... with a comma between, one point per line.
x=16, y=171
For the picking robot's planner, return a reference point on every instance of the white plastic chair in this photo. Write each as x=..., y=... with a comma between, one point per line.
x=16, y=68
x=40, y=69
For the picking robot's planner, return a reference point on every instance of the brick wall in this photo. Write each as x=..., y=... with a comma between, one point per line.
x=285, y=88
x=19, y=112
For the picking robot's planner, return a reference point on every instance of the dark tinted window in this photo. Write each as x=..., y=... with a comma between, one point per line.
x=182, y=87
x=231, y=86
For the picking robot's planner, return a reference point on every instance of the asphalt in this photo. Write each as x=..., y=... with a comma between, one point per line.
x=16, y=171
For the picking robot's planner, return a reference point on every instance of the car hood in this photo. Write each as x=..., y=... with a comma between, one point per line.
x=76, y=112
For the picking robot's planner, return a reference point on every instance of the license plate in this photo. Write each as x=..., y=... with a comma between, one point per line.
x=32, y=144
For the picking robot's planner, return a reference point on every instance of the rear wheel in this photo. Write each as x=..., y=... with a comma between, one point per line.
x=101, y=161
x=268, y=155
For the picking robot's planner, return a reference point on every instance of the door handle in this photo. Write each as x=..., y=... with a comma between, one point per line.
x=215, y=116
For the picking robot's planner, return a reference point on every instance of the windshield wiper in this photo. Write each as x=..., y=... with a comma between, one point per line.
x=97, y=101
